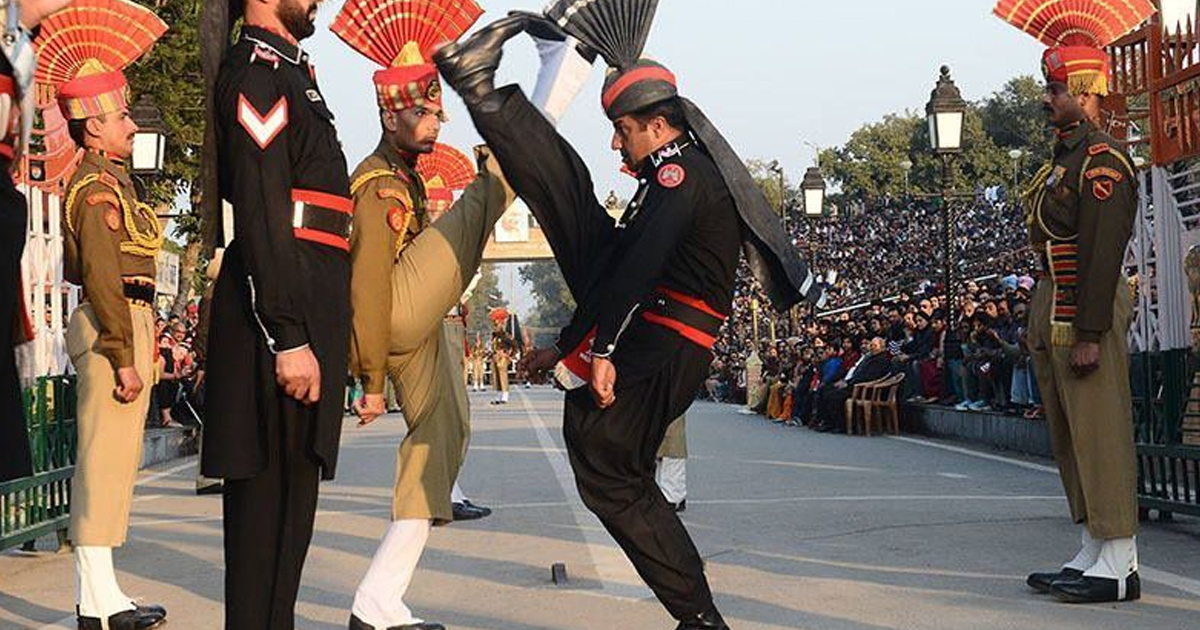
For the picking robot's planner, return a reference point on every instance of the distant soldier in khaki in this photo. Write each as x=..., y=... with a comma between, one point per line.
x=110, y=244
x=478, y=366
x=1081, y=209
x=503, y=347
x=407, y=275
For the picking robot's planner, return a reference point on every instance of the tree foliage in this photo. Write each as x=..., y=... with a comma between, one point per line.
x=553, y=304
x=869, y=167
x=484, y=298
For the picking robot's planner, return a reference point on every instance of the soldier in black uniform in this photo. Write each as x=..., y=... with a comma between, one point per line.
x=280, y=313
x=652, y=291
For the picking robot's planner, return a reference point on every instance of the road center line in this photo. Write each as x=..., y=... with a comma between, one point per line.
x=616, y=574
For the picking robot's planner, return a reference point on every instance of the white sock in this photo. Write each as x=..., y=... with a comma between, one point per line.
x=456, y=494
x=1118, y=559
x=671, y=476
x=1089, y=550
x=504, y=396
x=99, y=596
x=379, y=600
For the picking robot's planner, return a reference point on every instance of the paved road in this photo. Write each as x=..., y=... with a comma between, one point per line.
x=800, y=530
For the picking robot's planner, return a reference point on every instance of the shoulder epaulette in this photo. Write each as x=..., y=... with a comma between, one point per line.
x=1103, y=148
x=264, y=55
x=103, y=179
x=370, y=176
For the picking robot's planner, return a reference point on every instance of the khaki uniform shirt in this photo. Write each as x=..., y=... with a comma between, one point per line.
x=1081, y=208
x=110, y=239
x=389, y=212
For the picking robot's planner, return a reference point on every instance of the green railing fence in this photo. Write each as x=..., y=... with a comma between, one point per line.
x=1168, y=469
x=40, y=504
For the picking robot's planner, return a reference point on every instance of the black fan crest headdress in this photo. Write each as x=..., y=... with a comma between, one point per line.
x=618, y=30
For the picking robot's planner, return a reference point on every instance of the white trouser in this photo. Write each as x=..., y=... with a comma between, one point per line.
x=1089, y=551
x=672, y=479
x=99, y=596
x=379, y=600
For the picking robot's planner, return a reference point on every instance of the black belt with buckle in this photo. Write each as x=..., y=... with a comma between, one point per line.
x=140, y=292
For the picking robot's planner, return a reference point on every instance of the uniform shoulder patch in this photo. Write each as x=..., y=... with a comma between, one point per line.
x=1102, y=188
x=396, y=194
x=112, y=218
x=398, y=218
x=671, y=176
x=1104, y=171
x=1098, y=148
x=263, y=128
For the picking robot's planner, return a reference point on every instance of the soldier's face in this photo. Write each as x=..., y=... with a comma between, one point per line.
x=113, y=133
x=1060, y=107
x=299, y=17
x=414, y=130
x=635, y=140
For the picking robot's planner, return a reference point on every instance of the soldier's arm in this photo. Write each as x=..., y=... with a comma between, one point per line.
x=666, y=216
x=98, y=222
x=255, y=112
x=1107, y=211
x=372, y=246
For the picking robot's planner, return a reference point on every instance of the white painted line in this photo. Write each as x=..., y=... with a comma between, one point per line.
x=617, y=576
x=967, y=451
x=192, y=461
x=1178, y=582
x=887, y=497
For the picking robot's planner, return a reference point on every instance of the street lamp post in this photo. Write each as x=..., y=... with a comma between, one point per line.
x=1015, y=155
x=946, y=112
x=776, y=168
x=906, y=165
x=150, y=141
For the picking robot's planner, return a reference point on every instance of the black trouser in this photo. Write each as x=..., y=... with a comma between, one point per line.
x=268, y=527
x=14, y=444
x=613, y=450
x=613, y=454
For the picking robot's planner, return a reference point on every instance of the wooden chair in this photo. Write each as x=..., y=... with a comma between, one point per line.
x=863, y=398
x=887, y=403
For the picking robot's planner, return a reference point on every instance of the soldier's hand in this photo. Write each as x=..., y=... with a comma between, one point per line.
x=299, y=374
x=604, y=380
x=129, y=385
x=34, y=11
x=369, y=407
x=1085, y=358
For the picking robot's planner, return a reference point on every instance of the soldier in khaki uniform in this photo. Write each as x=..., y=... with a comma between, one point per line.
x=407, y=275
x=1081, y=209
x=110, y=244
x=503, y=346
x=671, y=472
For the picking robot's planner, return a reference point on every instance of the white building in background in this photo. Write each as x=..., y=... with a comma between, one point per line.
x=49, y=298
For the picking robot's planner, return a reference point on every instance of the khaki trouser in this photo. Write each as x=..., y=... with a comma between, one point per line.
x=674, y=443
x=427, y=280
x=1090, y=419
x=500, y=374
x=110, y=432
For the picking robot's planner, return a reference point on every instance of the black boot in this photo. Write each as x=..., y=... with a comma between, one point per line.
x=359, y=624
x=470, y=66
x=710, y=620
x=1094, y=590
x=141, y=619
x=1041, y=582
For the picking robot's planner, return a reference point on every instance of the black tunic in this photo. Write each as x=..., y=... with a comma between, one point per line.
x=275, y=291
x=14, y=444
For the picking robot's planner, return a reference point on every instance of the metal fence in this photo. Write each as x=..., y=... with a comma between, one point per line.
x=40, y=504
x=1165, y=402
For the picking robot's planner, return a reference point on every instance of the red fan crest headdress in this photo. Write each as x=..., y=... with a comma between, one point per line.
x=1076, y=32
x=499, y=315
x=444, y=171
x=83, y=49
x=401, y=36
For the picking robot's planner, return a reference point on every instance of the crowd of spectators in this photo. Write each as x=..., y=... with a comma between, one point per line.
x=180, y=372
x=886, y=315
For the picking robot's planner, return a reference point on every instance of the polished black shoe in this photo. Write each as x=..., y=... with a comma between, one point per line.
x=212, y=488
x=464, y=512
x=470, y=66
x=359, y=624
x=1041, y=582
x=1093, y=590
x=484, y=510
x=152, y=609
x=124, y=620
x=710, y=620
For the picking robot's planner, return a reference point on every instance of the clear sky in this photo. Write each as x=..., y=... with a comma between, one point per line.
x=773, y=75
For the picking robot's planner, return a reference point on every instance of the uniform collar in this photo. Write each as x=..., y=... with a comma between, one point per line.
x=108, y=164
x=670, y=150
x=1070, y=138
x=286, y=49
